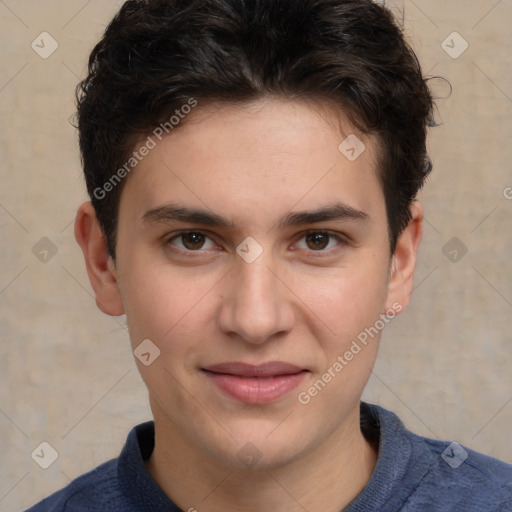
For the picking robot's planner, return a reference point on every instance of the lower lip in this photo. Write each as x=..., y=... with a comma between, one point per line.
x=256, y=390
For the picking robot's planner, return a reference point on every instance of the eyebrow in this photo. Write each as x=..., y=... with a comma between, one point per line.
x=173, y=212
x=337, y=211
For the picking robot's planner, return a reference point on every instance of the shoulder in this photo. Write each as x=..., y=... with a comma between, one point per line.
x=440, y=475
x=464, y=478
x=95, y=490
x=121, y=484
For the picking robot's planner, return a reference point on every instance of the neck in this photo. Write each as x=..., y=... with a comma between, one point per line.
x=327, y=478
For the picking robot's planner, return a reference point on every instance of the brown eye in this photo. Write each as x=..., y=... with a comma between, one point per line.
x=317, y=241
x=193, y=241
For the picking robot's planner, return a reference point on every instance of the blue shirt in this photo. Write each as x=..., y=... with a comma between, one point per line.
x=413, y=474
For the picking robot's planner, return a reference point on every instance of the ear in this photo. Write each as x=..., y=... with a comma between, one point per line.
x=403, y=262
x=100, y=265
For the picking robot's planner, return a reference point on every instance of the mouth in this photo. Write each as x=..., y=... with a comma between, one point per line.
x=260, y=384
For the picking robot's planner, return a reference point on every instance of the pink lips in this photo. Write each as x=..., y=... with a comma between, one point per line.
x=260, y=384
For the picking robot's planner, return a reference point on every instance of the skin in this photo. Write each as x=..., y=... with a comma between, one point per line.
x=297, y=302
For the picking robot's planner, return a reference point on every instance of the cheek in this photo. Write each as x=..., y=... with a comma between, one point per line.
x=344, y=303
x=161, y=303
x=347, y=315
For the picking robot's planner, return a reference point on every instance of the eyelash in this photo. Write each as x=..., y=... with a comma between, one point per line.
x=342, y=242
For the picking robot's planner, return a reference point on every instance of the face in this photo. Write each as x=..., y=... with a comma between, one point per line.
x=254, y=256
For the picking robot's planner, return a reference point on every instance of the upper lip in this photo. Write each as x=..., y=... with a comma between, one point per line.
x=270, y=369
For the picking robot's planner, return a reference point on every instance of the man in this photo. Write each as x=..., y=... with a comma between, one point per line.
x=253, y=169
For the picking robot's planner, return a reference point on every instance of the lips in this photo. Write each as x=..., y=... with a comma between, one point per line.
x=255, y=384
x=271, y=369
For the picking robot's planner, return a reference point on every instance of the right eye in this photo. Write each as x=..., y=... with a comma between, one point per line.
x=189, y=241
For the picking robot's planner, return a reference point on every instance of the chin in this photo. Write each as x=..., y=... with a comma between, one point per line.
x=257, y=451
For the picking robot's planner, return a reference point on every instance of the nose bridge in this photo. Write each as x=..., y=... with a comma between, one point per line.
x=257, y=305
x=257, y=284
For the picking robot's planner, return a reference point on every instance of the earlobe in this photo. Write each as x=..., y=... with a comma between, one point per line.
x=403, y=262
x=100, y=266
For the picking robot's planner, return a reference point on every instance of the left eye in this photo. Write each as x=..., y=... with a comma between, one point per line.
x=191, y=241
x=320, y=240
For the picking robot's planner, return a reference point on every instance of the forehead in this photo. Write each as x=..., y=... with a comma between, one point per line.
x=253, y=161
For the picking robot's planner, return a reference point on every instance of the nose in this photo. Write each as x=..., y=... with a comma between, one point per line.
x=256, y=304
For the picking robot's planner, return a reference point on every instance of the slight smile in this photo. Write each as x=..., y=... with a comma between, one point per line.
x=260, y=384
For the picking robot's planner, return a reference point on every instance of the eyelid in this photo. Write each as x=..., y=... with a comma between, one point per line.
x=170, y=237
x=343, y=241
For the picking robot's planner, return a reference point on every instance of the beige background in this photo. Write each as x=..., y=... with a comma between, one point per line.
x=67, y=373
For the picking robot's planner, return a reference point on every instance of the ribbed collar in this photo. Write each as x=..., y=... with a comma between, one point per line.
x=399, y=467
